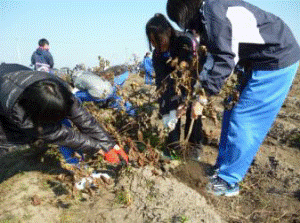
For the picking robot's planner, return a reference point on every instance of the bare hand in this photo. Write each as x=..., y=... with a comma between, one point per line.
x=181, y=110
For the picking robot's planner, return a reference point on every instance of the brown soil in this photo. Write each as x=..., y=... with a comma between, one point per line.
x=152, y=190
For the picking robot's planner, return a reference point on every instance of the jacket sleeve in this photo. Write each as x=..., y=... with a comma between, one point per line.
x=91, y=137
x=33, y=59
x=159, y=68
x=161, y=71
x=167, y=100
x=50, y=59
x=220, y=60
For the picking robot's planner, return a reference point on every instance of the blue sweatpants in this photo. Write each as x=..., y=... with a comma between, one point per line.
x=246, y=125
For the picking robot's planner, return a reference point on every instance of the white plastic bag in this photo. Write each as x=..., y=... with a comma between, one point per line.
x=95, y=85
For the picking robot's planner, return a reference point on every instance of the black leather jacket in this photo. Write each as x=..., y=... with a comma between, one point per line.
x=17, y=128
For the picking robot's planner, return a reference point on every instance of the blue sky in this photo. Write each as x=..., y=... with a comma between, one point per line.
x=79, y=31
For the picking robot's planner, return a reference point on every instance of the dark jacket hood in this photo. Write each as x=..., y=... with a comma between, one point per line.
x=13, y=84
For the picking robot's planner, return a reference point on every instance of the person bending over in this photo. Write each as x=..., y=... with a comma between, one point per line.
x=42, y=59
x=37, y=108
x=240, y=35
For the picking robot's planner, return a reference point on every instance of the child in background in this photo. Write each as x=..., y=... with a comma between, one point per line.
x=147, y=64
x=42, y=59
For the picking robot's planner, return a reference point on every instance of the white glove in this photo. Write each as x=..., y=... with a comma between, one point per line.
x=170, y=120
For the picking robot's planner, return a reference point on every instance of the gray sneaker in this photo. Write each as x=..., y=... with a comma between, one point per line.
x=219, y=187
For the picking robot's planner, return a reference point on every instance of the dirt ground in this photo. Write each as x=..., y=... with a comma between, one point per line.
x=153, y=190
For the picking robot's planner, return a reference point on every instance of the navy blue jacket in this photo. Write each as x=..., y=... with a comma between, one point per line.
x=181, y=46
x=42, y=60
x=237, y=32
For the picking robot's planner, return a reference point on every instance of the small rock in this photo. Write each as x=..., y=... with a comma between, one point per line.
x=35, y=200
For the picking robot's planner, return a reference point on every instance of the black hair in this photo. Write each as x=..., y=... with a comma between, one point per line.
x=158, y=25
x=43, y=42
x=183, y=48
x=185, y=13
x=46, y=102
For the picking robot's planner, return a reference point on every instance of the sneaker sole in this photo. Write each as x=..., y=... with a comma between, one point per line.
x=232, y=194
x=228, y=194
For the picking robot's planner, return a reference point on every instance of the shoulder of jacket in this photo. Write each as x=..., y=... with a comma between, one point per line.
x=214, y=5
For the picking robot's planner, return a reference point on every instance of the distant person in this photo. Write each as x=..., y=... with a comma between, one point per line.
x=42, y=59
x=147, y=64
x=240, y=35
x=79, y=67
x=38, y=108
